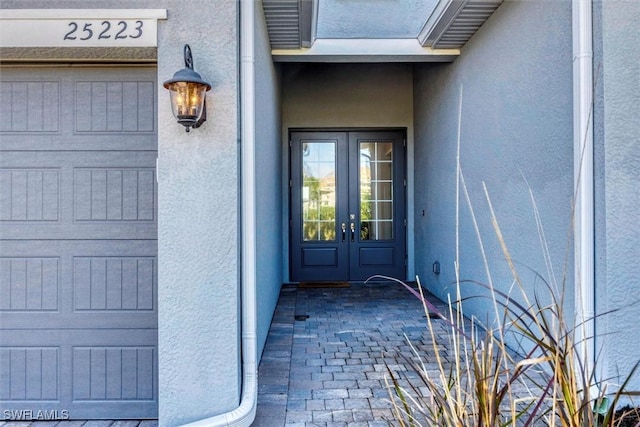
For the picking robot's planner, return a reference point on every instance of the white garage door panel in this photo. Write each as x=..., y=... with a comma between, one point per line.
x=78, y=242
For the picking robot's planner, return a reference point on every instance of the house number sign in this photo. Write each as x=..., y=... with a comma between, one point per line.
x=80, y=28
x=104, y=30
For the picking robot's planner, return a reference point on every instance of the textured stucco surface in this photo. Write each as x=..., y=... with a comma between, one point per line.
x=198, y=226
x=198, y=234
x=618, y=131
x=516, y=130
x=268, y=181
x=372, y=19
x=349, y=96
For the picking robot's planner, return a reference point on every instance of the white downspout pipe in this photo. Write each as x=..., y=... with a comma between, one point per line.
x=244, y=414
x=583, y=180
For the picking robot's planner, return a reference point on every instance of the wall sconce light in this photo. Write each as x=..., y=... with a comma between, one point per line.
x=188, y=92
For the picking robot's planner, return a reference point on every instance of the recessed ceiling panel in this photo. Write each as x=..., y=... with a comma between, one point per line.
x=374, y=19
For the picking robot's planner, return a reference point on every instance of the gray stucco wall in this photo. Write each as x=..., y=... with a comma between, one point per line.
x=348, y=96
x=268, y=180
x=516, y=130
x=198, y=226
x=617, y=131
x=198, y=220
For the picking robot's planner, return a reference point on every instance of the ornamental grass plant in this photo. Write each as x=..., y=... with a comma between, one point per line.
x=478, y=380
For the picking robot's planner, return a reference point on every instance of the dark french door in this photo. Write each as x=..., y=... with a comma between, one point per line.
x=347, y=205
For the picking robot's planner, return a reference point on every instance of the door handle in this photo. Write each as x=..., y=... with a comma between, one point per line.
x=353, y=232
x=344, y=231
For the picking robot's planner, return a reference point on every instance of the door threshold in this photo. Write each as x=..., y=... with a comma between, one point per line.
x=328, y=284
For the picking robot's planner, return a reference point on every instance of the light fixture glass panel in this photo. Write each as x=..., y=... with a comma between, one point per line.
x=187, y=100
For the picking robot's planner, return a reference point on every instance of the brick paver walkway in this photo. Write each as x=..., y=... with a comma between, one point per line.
x=324, y=360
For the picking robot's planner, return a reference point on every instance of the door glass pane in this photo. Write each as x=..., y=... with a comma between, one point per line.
x=376, y=195
x=319, y=191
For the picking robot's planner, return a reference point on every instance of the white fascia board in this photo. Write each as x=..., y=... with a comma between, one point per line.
x=34, y=14
x=365, y=50
x=439, y=20
x=308, y=22
x=314, y=22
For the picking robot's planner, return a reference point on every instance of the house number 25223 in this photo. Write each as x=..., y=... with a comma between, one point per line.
x=116, y=30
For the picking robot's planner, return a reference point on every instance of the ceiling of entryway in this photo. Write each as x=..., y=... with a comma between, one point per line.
x=372, y=30
x=373, y=19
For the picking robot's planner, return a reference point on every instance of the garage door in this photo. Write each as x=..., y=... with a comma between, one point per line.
x=78, y=248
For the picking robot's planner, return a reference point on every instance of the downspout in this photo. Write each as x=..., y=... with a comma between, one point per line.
x=583, y=181
x=244, y=414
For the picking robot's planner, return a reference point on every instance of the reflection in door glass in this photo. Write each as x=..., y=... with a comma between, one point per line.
x=376, y=195
x=319, y=191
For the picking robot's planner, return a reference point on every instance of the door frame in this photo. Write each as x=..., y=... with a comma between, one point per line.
x=408, y=172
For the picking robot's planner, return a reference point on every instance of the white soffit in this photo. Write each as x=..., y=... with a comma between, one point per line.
x=454, y=22
x=290, y=23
